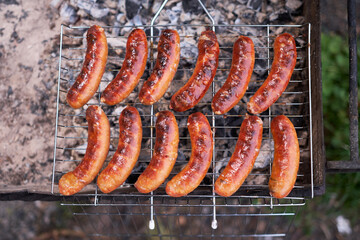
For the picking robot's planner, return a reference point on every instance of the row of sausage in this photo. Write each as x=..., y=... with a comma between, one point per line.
x=284, y=169
x=168, y=57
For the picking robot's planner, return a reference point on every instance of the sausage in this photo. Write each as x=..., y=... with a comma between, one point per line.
x=164, y=155
x=239, y=77
x=127, y=152
x=243, y=159
x=87, y=83
x=95, y=155
x=165, y=68
x=279, y=77
x=202, y=149
x=131, y=70
x=286, y=157
x=194, y=90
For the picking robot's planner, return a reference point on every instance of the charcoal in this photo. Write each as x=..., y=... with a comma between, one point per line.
x=132, y=8
x=293, y=5
x=68, y=14
x=254, y=4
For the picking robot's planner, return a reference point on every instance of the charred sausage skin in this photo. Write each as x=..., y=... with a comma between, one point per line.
x=239, y=77
x=126, y=154
x=131, y=71
x=202, y=149
x=286, y=157
x=194, y=90
x=95, y=155
x=87, y=83
x=281, y=70
x=164, y=155
x=167, y=62
x=243, y=158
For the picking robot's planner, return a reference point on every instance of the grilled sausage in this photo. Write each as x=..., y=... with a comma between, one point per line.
x=243, y=159
x=202, y=149
x=279, y=77
x=95, y=155
x=93, y=68
x=286, y=157
x=126, y=154
x=165, y=68
x=192, y=92
x=239, y=77
x=164, y=155
x=131, y=71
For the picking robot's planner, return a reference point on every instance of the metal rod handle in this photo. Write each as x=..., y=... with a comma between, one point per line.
x=354, y=163
x=353, y=85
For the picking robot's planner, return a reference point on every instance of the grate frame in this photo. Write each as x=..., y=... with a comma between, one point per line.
x=254, y=195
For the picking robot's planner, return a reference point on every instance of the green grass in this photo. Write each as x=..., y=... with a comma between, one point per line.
x=344, y=188
x=335, y=79
x=342, y=195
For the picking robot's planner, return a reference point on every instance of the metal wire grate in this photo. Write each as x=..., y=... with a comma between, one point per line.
x=252, y=200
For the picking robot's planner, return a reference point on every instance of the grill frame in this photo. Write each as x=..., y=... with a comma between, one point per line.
x=94, y=199
x=268, y=116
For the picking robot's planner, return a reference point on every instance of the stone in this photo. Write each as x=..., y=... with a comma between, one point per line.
x=231, y=7
x=185, y=17
x=177, y=8
x=238, y=21
x=132, y=8
x=261, y=17
x=85, y=5
x=192, y=6
x=155, y=7
x=81, y=149
x=111, y=4
x=280, y=15
x=98, y=12
x=121, y=6
x=92, y=8
x=254, y=4
x=173, y=16
x=229, y=15
x=56, y=3
x=137, y=20
x=265, y=156
x=293, y=5
x=239, y=9
x=68, y=13
x=118, y=110
x=121, y=18
x=10, y=91
x=220, y=165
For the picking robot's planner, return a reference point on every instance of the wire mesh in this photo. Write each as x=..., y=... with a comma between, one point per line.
x=125, y=212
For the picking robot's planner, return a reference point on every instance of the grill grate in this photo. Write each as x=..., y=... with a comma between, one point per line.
x=126, y=204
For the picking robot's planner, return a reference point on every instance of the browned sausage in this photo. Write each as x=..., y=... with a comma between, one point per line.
x=243, y=159
x=279, y=77
x=96, y=152
x=286, y=157
x=126, y=154
x=202, y=149
x=164, y=155
x=239, y=77
x=194, y=90
x=131, y=71
x=93, y=68
x=165, y=68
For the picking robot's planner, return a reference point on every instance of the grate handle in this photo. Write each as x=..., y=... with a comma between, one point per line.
x=354, y=163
